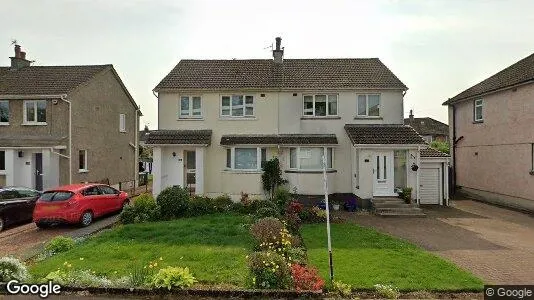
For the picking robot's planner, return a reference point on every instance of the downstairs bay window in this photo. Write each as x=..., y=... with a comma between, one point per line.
x=310, y=158
x=245, y=158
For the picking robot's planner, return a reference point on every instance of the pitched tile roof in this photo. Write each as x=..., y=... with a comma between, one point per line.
x=430, y=152
x=428, y=126
x=279, y=139
x=46, y=80
x=382, y=134
x=179, y=137
x=292, y=73
x=520, y=72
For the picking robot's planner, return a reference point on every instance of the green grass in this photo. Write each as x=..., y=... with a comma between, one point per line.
x=213, y=247
x=364, y=257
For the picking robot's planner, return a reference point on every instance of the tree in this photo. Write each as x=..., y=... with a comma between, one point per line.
x=272, y=176
x=441, y=146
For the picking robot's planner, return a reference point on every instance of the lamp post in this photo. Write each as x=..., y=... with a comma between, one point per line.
x=325, y=180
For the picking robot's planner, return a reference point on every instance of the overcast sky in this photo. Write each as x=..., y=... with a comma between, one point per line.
x=437, y=48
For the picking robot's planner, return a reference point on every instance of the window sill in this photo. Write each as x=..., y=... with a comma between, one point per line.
x=190, y=119
x=242, y=171
x=478, y=122
x=4, y=124
x=320, y=118
x=367, y=118
x=83, y=171
x=3, y=172
x=34, y=124
x=310, y=171
x=237, y=118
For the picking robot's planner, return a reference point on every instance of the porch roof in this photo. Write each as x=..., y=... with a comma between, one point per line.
x=31, y=141
x=179, y=137
x=429, y=152
x=383, y=134
x=279, y=139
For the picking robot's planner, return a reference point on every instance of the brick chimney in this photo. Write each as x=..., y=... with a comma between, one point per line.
x=411, y=116
x=278, y=52
x=19, y=61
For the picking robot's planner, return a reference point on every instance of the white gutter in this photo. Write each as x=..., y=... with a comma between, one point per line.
x=63, y=98
x=418, y=163
x=15, y=97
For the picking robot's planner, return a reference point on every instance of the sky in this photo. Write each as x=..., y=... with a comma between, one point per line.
x=437, y=48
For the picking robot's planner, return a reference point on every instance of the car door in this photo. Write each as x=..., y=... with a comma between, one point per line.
x=113, y=200
x=11, y=206
x=29, y=197
x=94, y=200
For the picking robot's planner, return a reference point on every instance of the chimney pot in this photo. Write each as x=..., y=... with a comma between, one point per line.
x=278, y=52
x=411, y=116
x=278, y=43
x=17, y=51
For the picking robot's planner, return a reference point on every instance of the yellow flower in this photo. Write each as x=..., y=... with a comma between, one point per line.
x=160, y=258
x=246, y=256
x=65, y=263
x=69, y=265
x=155, y=264
x=150, y=266
x=81, y=258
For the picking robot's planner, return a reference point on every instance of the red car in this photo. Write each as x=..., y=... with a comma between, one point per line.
x=77, y=204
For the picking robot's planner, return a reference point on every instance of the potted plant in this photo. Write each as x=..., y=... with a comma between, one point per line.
x=336, y=203
x=406, y=194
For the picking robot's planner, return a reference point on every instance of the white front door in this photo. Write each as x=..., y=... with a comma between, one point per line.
x=383, y=174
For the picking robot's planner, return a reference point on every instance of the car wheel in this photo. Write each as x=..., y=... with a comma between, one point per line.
x=41, y=225
x=1, y=223
x=86, y=219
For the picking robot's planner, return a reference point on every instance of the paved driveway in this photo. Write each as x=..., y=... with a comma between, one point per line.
x=494, y=243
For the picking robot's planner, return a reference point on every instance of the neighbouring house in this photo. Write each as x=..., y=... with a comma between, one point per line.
x=430, y=129
x=492, y=137
x=65, y=124
x=219, y=120
x=145, y=153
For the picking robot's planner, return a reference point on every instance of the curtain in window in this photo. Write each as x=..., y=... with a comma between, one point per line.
x=308, y=105
x=246, y=158
x=293, y=158
x=362, y=105
x=374, y=105
x=311, y=158
x=30, y=111
x=320, y=105
x=237, y=105
x=332, y=105
x=196, y=106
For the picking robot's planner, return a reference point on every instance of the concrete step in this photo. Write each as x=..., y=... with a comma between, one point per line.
x=394, y=205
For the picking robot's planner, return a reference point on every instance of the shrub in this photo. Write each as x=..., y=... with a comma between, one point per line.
x=268, y=270
x=238, y=207
x=143, y=209
x=296, y=255
x=199, y=206
x=173, y=202
x=271, y=177
x=294, y=208
x=170, y=277
x=60, y=244
x=268, y=231
x=387, y=291
x=441, y=146
x=343, y=289
x=305, y=278
x=12, y=269
x=282, y=198
x=293, y=222
x=84, y=278
x=312, y=215
x=223, y=203
x=265, y=212
x=406, y=194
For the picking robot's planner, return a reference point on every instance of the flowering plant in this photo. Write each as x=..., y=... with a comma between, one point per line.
x=269, y=270
x=306, y=278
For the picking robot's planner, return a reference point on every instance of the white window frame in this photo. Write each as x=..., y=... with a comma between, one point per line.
x=25, y=115
x=122, y=122
x=245, y=105
x=327, y=105
x=366, y=115
x=232, y=158
x=298, y=157
x=8, y=112
x=86, y=168
x=190, y=112
x=475, y=106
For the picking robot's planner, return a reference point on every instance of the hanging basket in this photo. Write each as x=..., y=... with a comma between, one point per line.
x=415, y=167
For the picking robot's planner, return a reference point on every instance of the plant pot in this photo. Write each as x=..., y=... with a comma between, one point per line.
x=336, y=206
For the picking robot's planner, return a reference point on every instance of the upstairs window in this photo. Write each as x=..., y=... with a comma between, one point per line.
x=35, y=112
x=4, y=112
x=122, y=123
x=237, y=106
x=477, y=110
x=190, y=107
x=368, y=106
x=320, y=105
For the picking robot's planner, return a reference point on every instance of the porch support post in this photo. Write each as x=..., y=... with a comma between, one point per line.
x=446, y=182
x=10, y=167
x=47, y=164
x=418, y=162
x=156, y=171
x=199, y=170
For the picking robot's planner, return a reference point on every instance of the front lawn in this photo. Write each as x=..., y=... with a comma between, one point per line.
x=364, y=257
x=212, y=246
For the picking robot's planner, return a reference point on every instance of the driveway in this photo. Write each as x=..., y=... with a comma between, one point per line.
x=493, y=243
x=27, y=240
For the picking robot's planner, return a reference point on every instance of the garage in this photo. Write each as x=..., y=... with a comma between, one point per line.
x=433, y=177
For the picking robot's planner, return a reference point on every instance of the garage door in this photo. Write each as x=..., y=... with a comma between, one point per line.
x=429, y=186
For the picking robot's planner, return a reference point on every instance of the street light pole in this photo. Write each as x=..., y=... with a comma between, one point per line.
x=325, y=180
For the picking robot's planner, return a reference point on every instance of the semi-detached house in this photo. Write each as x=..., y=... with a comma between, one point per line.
x=219, y=120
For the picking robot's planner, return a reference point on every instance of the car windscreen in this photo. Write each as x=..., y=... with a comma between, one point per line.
x=55, y=196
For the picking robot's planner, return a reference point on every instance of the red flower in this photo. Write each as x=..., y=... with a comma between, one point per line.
x=306, y=278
